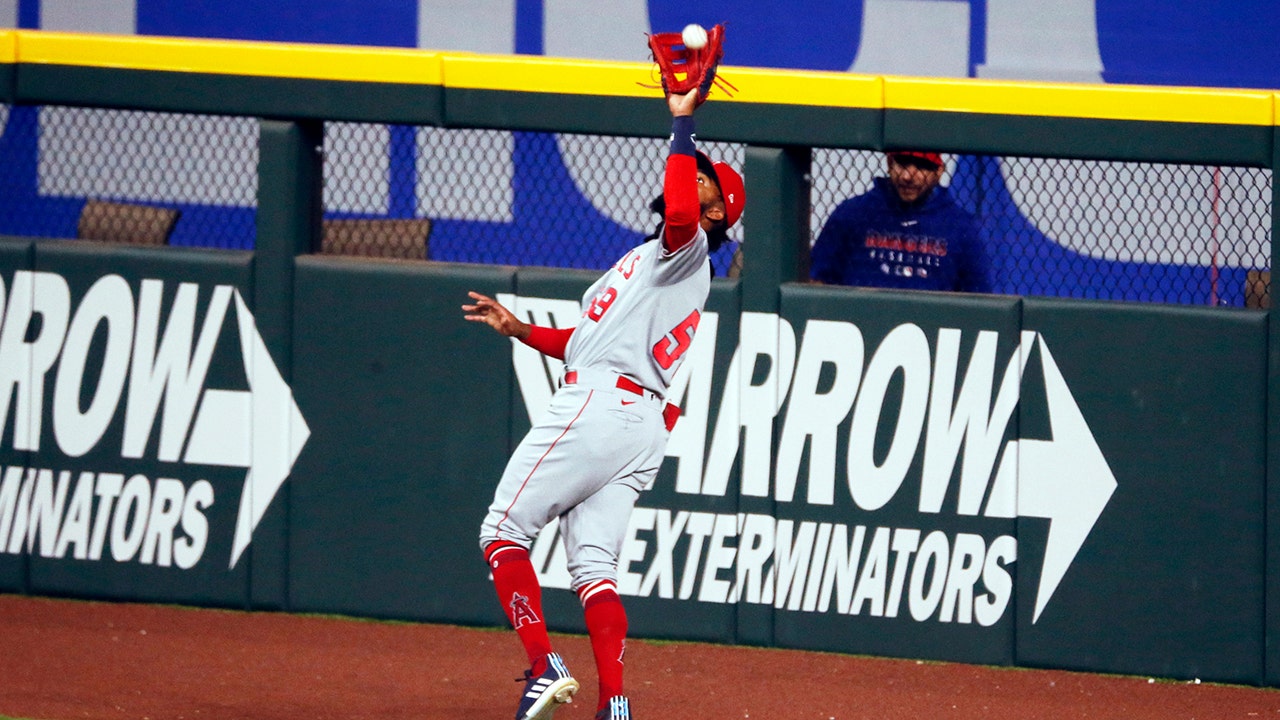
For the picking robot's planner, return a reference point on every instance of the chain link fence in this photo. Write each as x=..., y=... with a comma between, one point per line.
x=513, y=198
x=202, y=169
x=1179, y=234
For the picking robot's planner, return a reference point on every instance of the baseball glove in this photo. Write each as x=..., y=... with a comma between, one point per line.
x=682, y=69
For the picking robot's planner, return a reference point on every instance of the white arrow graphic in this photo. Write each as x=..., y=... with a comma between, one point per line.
x=1065, y=480
x=261, y=429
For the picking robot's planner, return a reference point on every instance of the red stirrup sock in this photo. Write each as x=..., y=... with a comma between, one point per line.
x=607, y=626
x=521, y=596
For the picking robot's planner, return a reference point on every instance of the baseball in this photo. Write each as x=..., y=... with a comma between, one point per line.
x=694, y=36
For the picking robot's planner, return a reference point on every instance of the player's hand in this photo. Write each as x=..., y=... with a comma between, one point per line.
x=492, y=313
x=683, y=105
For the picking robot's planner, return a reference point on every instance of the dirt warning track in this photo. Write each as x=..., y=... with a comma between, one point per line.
x=68, y=659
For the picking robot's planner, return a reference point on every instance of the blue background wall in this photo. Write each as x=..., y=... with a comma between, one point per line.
x=1181, y=42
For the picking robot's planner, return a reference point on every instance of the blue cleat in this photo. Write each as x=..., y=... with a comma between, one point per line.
x=546, y=692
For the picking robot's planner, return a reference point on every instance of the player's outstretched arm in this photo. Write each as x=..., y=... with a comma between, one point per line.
x=495, y=315
x=548, y=341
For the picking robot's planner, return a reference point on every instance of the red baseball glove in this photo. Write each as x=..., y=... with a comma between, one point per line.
x=683, y=69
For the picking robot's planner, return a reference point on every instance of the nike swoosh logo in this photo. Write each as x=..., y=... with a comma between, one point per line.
x=628, y=402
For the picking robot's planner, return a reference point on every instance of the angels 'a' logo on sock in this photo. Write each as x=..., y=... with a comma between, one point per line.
x=521, y=612
x=623, y=653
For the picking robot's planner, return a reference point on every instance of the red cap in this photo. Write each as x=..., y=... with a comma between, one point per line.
x=932, y=157
x=732, y=190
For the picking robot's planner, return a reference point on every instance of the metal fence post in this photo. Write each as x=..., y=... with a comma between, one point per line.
x=1271, y=622
x=777, y=220
x=290, y=206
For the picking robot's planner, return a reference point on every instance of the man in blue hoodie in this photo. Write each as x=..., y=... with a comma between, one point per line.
x=906, y=232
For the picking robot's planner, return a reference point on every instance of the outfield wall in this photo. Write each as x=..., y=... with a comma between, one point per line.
x=994, y=479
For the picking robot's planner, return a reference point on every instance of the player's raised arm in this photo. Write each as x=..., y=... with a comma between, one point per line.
x=680, y=184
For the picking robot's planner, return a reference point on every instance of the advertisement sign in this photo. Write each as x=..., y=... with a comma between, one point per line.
x=1000, y=480
x=787, y=499
x=146, y=428
x=1169, y=581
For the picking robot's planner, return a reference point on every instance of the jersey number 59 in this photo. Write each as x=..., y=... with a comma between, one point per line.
x=600, y=303
x=677, y=342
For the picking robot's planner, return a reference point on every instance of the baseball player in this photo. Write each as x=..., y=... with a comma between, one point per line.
x=604, y=435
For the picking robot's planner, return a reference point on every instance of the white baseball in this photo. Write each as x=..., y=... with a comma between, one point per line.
x=694, y=36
